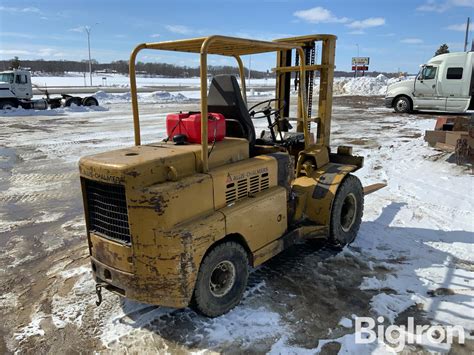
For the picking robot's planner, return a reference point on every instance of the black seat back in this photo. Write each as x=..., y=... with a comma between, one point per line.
x=225, y=98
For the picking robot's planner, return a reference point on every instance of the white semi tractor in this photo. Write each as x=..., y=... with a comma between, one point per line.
x=445, y=84
x=16, y=90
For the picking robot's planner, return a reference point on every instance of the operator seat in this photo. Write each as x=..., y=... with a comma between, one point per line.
x=225, y=98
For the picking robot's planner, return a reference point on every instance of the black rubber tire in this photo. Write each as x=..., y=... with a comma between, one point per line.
x=7, y=105
x=73, y=100
x=90, y=101
x=402, y=104
x=207, y=303
x=343, y=230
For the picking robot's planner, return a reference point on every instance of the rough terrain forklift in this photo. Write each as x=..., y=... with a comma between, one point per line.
x=180, y=222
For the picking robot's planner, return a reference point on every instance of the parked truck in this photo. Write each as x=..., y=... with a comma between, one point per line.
x=445, y=83
x=16, y=90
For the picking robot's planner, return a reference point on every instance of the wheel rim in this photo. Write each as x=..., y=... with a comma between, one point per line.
x=402, y=105
x=222, y=278
x=348, y=212
x=7, y=107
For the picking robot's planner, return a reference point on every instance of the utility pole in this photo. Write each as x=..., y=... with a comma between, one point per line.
x=250, y=66
x=467, y=34
x=88, y=30
x=356, y=64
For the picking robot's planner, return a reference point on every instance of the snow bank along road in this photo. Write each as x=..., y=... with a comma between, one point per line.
x=120, y=83
x=413, y=256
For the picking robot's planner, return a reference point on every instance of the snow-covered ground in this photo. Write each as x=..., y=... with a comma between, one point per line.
x=413, y=257
x=365, y=86
x=118, y=80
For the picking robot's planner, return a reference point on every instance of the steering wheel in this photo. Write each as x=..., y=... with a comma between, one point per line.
x=266, y=111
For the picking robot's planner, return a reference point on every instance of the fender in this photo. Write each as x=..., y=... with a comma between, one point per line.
x=6, y=92
x=315, y=193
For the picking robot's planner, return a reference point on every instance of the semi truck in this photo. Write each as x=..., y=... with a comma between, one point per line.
x=16, y=90
x=445, y=84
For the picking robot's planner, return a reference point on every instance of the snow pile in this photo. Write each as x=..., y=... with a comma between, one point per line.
x=165, y=96
x=20, y=112
x=365, y=85
x=153, y=97
x=107, y=98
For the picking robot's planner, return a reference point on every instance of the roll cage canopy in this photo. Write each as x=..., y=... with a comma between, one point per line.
x=236, y=47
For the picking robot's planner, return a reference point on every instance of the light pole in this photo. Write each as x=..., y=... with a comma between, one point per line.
x=250, y=68
x=88, y=31
x=357, y=60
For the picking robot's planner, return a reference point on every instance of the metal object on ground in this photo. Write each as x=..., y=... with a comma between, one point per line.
x=454, y=134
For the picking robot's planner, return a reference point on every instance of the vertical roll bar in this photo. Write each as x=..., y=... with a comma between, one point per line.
x=133, y=92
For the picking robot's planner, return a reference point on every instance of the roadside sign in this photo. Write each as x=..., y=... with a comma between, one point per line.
x=360, y=61
x=360, y=67
x=360, y=64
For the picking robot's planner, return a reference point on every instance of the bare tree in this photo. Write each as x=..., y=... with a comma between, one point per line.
x=442, y=49
x=15, y=63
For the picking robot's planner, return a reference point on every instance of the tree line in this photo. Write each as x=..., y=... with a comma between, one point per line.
x=59, y=67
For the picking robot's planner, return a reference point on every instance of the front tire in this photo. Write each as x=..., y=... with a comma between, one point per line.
x=347, y=211
x=7, y=105
x=221, y=280
x=402, y=105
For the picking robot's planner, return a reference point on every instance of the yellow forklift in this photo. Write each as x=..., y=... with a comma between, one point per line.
x=181, y=221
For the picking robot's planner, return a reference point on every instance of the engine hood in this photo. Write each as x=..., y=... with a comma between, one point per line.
x=149, y=164
x=405, y=87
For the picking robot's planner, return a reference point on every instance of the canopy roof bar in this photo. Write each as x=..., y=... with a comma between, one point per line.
x=297, y=68
x=221, y=45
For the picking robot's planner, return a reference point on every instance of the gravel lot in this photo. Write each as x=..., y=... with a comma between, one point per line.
x=418, y=228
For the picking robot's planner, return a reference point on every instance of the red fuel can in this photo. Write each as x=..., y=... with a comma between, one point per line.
x=189, y=124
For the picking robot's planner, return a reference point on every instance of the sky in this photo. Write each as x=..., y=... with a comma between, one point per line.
x=396, y=35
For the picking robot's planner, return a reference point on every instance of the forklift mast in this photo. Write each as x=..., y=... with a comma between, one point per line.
x=325, y=68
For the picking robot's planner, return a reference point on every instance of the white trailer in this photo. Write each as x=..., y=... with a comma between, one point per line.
x=16, y=90
x=445, y=84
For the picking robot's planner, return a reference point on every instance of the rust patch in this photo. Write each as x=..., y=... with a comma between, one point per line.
x=133, y=173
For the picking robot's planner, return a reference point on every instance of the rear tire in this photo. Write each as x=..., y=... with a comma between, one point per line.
x=402, y=105
x=73, y=100
x=347, y=210
x=90, y=101
x=221, y=280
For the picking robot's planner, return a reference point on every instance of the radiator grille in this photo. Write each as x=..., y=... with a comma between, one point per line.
x=107, y=209
x=247, y=186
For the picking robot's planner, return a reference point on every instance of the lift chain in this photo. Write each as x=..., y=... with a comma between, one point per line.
x=297, y=63
x=312, y=52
